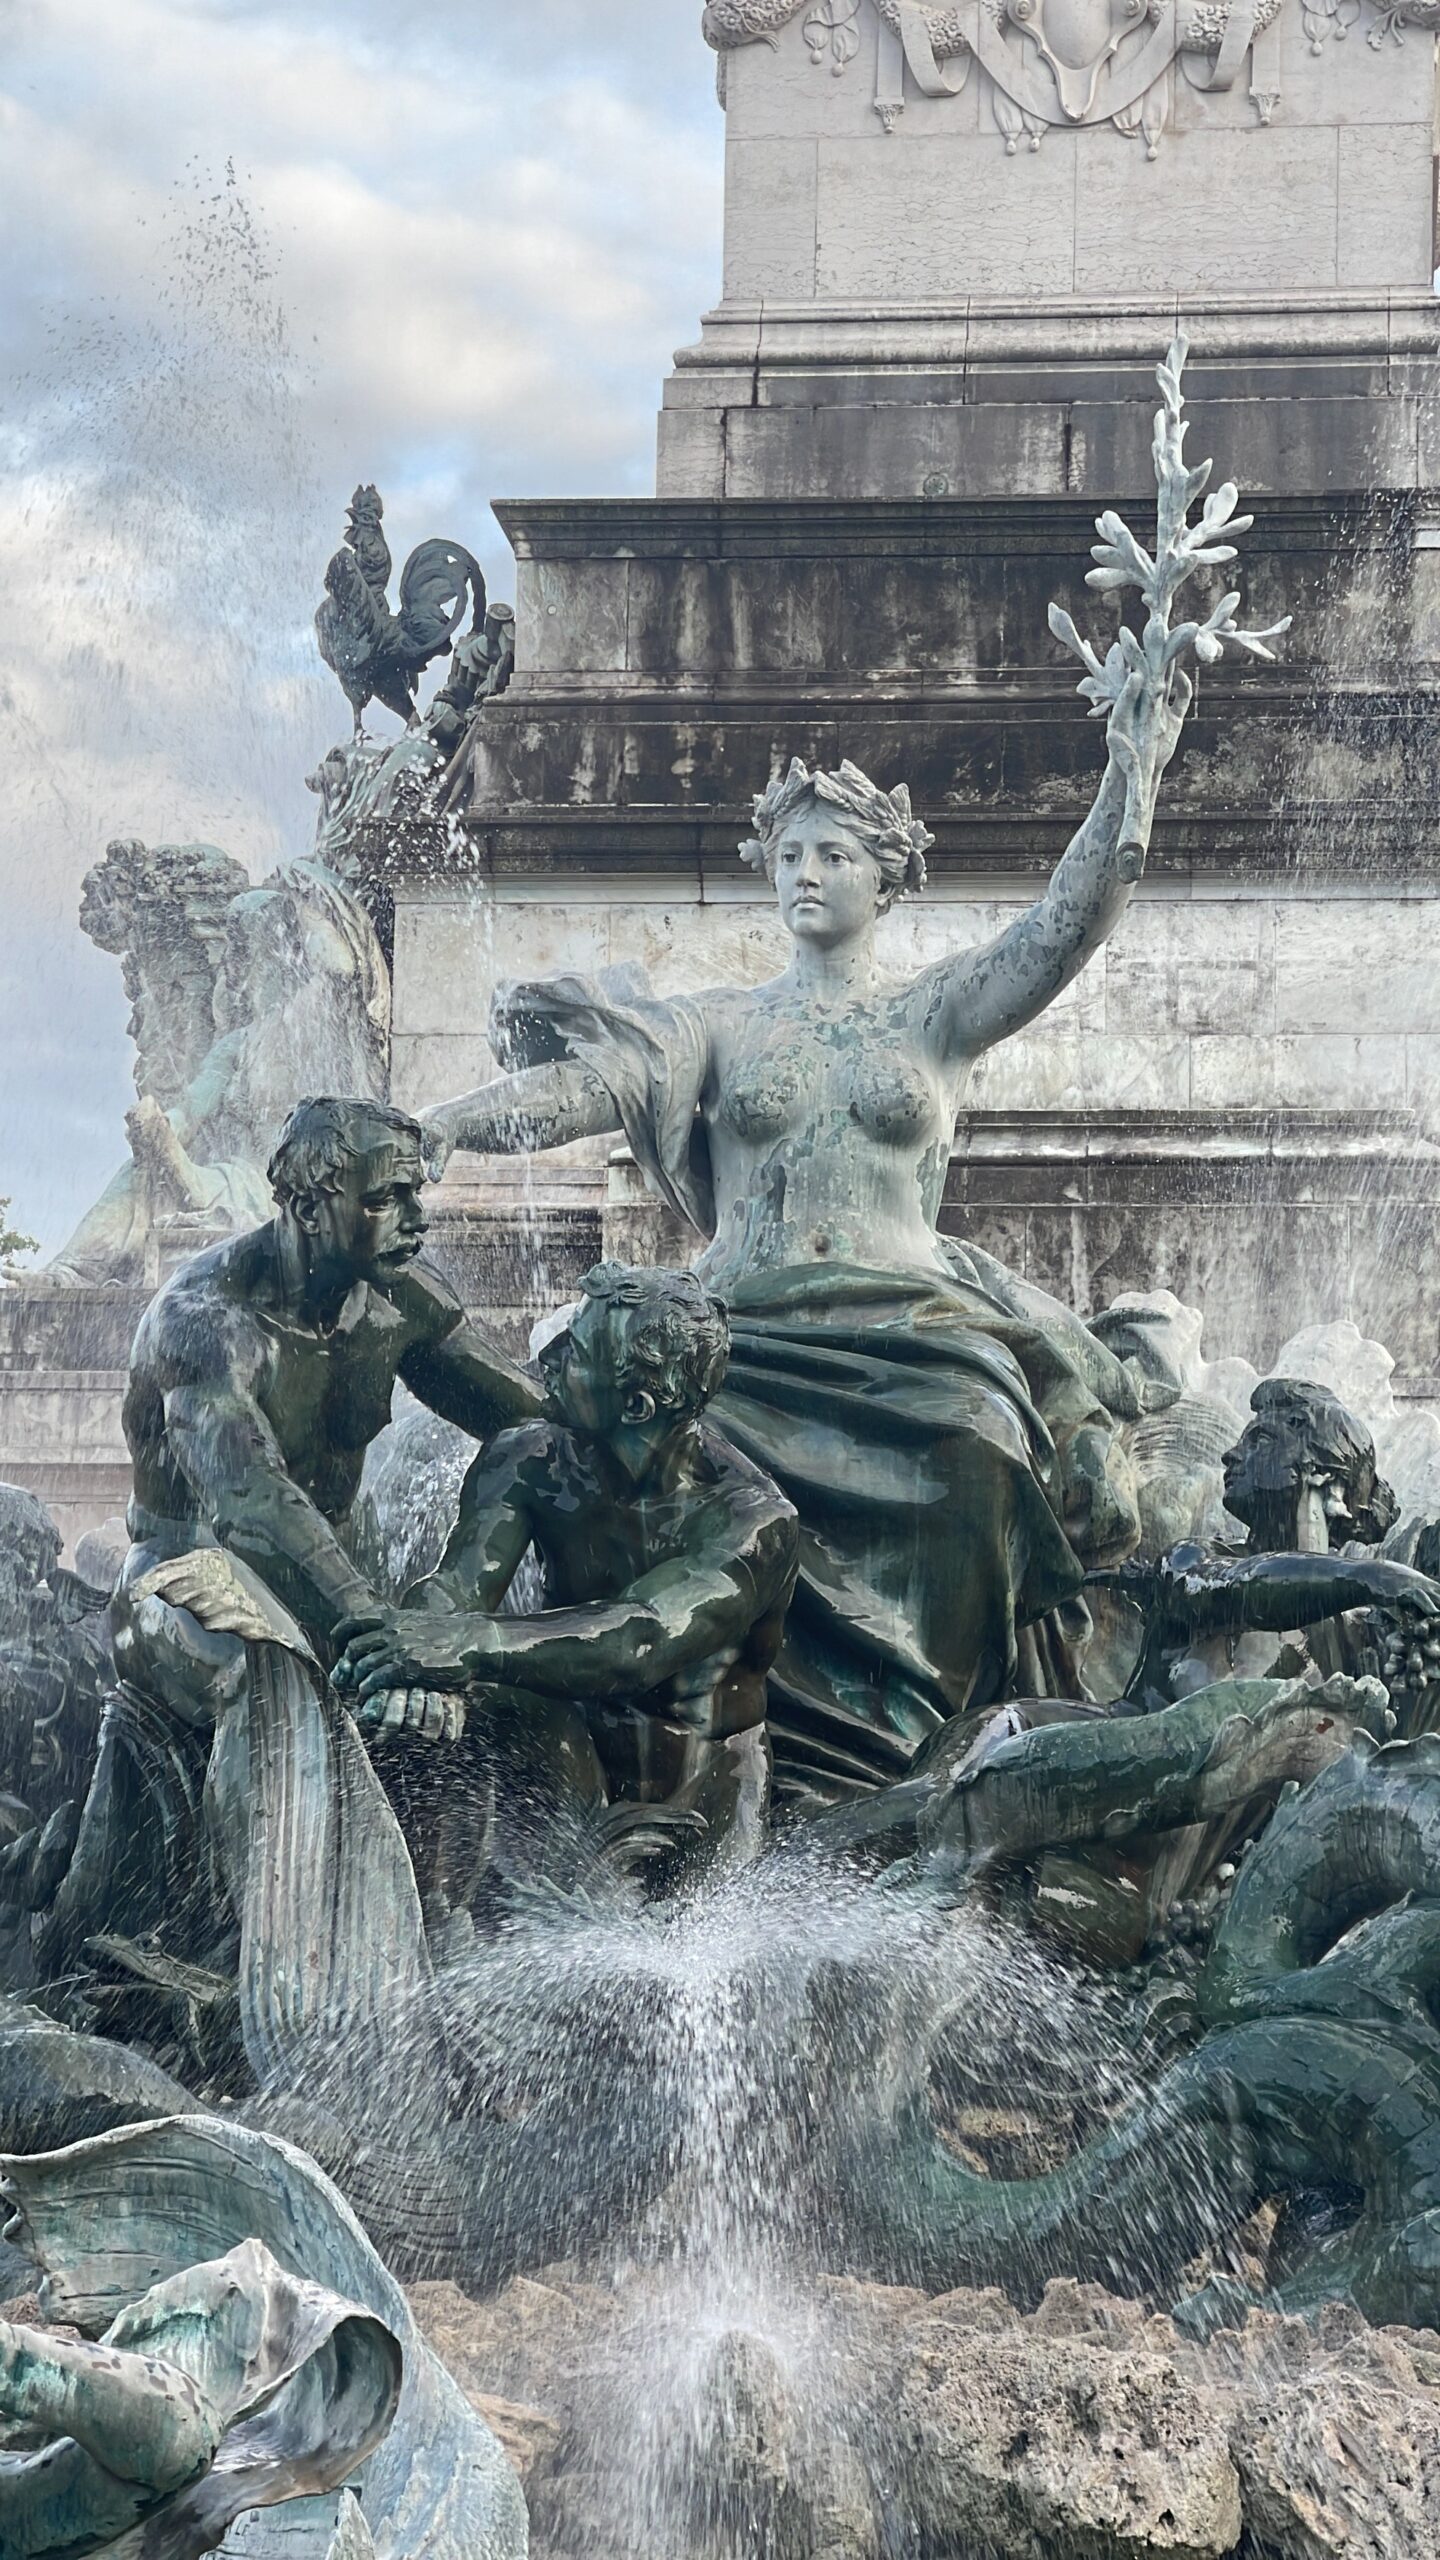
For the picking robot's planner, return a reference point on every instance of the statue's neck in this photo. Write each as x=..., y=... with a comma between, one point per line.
x=1297, y=1527
x=649, y=1469
x=308, y=1289
x=839, y=969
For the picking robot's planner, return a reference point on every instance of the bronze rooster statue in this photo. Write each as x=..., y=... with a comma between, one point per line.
x=377, y=654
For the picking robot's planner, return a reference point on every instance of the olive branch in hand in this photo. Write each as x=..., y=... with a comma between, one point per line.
x=1181, y=548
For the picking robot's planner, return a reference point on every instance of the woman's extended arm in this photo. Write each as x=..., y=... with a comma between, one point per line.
x=525, y=1114
x=983, y=996
x=1142, y=684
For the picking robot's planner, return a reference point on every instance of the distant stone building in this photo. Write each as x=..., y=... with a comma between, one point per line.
x=932, y=363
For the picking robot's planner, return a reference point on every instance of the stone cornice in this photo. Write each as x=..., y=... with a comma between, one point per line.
x=822, y=528
x=1279, y=1133
x=689, y=849
x=1059, y=333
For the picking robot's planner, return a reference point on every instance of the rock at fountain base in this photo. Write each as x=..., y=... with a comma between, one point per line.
x=1089, y=2428
x=1027, y=2446
x=530, y=2439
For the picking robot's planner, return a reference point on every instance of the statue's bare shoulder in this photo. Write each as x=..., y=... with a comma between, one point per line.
x=763, y=1520
x=205, y=1324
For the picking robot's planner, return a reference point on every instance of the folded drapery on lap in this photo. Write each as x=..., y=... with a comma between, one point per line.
x=926, y=1481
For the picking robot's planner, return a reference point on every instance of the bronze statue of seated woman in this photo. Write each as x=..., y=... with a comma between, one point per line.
x=946, y=1433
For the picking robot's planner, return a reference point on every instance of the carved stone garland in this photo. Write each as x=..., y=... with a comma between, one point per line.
x=1120, y=72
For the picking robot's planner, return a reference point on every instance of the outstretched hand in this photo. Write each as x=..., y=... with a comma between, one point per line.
x=403, y=1649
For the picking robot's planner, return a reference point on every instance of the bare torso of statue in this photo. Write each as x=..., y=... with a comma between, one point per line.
x=259, y=1374
x=805, y=1127
x=829, y=1126
x=668, y=1563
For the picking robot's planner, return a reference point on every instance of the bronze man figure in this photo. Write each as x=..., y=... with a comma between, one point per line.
x=259, y=1377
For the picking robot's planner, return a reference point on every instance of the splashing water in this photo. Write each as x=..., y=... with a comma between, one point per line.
x=159, y=679
x=714, y=2400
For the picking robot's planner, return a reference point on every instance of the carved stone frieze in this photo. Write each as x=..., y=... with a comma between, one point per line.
x=833, y=34
x=1047, y=63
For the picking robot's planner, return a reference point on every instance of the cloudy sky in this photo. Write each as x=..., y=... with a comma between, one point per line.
x=260, y=250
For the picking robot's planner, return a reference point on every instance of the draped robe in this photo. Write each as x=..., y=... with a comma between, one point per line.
x=947, y=1452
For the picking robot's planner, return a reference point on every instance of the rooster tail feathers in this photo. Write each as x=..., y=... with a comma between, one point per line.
x=434, y=585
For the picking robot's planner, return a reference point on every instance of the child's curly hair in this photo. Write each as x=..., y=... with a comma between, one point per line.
x=674, y=1337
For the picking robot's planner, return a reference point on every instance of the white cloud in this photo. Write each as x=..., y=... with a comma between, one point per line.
x=454, y=255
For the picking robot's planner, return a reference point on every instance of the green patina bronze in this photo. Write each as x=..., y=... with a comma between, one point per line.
x=1316, y=2072
x=1304, y=1481
x=229, y=2388
x=259, y=1377
x=273, y=2359
x=635, y=1701
x=856, y=1553
x=946, y=1433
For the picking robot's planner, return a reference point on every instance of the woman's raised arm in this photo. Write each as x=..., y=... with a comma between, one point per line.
x=982, y=996
x=1144, y=691
x=525, y=1114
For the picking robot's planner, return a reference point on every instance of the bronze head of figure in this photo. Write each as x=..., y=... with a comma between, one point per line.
x=641, y=1357
x=347, y=1178
x=1303, y=1476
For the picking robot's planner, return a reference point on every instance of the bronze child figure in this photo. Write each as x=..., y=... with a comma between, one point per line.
x=668, y=1563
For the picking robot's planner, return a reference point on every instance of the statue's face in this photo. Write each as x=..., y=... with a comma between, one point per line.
x=1264, y=1466
x=374, y=1225
x=826, y=878
x=1273, y=1463
x=583, y=1384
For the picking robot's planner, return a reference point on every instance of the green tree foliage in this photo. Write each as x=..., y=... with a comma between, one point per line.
x=11, y=1243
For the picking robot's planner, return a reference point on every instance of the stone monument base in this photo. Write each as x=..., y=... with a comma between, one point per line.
x=63, y=1360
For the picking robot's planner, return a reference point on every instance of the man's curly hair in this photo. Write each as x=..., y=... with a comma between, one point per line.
x=884, y=820
x=672, y=1337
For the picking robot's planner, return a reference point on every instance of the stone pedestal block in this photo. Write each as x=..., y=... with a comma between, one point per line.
x=922, y=287
x=63, y=1361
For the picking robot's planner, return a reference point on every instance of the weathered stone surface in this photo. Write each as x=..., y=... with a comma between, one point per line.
x=1027, y=2445
x=770, y=244
x=529, y=2438
x=956, y=221
x=1340, y=2467
x=891, y=273
x=1333, y=2437
x=1089, y=2427
x=522, y=2343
